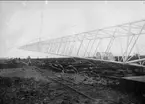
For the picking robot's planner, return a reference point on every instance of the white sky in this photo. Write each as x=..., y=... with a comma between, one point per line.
x=20, y=23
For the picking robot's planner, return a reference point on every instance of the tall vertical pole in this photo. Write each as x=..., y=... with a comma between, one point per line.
x=40, y=32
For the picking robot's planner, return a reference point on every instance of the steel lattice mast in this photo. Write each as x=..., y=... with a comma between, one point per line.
x=122, y=40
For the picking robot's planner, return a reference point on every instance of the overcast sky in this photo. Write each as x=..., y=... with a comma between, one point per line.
x=25, y=22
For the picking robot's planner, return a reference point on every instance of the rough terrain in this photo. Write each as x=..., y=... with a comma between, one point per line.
x=33, y=85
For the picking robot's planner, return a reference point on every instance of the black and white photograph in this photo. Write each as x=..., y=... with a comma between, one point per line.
x=72, y=52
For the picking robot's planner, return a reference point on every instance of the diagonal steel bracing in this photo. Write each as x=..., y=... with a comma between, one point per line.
x=119, y=40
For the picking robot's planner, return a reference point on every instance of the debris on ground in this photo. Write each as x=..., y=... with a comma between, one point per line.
x=25, y=85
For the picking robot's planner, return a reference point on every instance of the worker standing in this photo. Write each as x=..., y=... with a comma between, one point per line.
x=29, y=60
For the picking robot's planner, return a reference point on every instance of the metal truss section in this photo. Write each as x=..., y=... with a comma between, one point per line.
x=122, y=41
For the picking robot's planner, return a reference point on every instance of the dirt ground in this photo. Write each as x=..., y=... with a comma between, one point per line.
x=25, y=72
x=27, y=86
